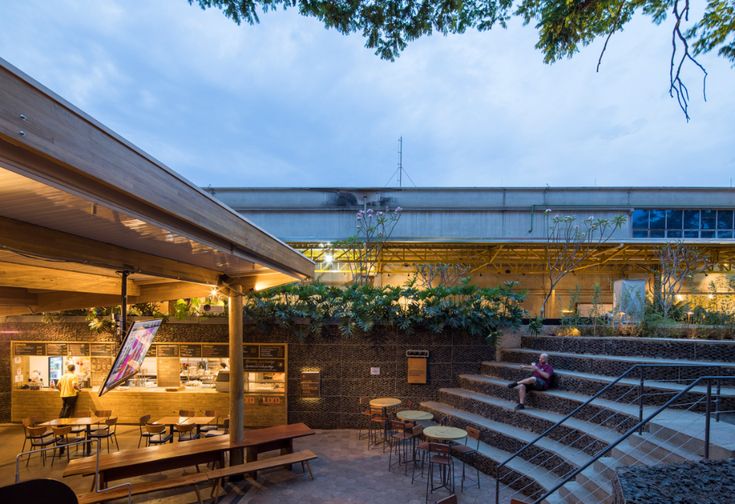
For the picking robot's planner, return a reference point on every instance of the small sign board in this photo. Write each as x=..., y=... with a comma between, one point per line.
x=272, y=352
x=152, y=351
x=168, y=350
x=374, y=371
x=79, y=349
x=250, y=351
x=261, y=365
x=102, y=349
x=310, y=384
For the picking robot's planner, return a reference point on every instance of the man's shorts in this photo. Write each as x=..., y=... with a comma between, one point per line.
x=539, y=384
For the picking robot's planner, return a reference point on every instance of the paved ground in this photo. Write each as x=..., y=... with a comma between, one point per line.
x=345, y=473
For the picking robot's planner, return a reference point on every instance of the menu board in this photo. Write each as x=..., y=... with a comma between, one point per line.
x=78, y=349
x=100, y=368
x=102, y=349
x=190, y=350
x=272, y=352
x=151, y=351
x=29, y=348
x=168, y=350
x=250, y=351
x=56, y=349
x=217, y=351
x=260, y=365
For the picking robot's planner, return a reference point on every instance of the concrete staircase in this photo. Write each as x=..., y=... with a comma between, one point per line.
x=584, y=366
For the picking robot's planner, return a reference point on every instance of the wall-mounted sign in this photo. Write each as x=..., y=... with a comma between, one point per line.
x=271, y=400
x=251, y=351
x=374, y=371
x=56, y=348
x=272, y=352
x=78, y=349
x=310, y=384
x=168, y=350
x=215, y=351
x=190, y=350
x=260, y=365
x=152, y=351
x=29, y=348
x=102, y=349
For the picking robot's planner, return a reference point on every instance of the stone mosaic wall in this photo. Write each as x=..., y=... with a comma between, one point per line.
x=344, y=362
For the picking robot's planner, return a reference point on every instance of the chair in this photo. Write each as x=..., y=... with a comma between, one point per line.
x=421, y=449
x=107, y=432
x=219, y=432
x=142, y=422
x=452, y=499
x=158, y=434
x=440, y=456
x=187, y=432
x=187, y=413
x=364, y=422
x=39, y=438
x=104, y=413
x=399, y=439
x=376, y=428
x=466, y=450
x=31, y=422
x=61, y=441
x=209, y=427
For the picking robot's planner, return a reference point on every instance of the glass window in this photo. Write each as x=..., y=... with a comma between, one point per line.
x=640, y=219
x=724, y=219
x=640, y=233
x=673, y=233
x=673, y=219
x=691, y=234
x=709, y=219
x=724, y=234
x=707, y=234
x=658, y=233
x=691, y=219
x=657, y=218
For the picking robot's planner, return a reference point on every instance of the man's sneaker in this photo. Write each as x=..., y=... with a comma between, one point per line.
x=520, y=407
x=512, y=384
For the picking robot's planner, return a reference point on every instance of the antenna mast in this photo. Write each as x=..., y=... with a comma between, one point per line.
x=400, y=161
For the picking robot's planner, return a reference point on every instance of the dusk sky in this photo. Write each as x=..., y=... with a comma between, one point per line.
x=289, y=103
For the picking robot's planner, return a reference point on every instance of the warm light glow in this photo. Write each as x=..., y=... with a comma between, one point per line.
x=328, y=258
x=213, y=292
x=710, y=296
x=679, y=297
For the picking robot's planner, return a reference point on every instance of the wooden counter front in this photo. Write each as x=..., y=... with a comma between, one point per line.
x=129, y=405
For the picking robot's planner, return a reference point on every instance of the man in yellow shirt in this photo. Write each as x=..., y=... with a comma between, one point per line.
x=68, y=387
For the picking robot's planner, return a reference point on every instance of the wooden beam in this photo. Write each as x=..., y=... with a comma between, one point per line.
x=13, y=296
x=51, y=244
x=32, y=277
x=88, y=158
x=171, y=290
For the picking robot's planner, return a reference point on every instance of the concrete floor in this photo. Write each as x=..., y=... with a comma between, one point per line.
x=347, y=472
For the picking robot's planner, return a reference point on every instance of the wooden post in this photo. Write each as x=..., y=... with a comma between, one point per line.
x=237, y=386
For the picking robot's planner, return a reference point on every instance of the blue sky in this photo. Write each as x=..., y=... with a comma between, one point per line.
x=289, y=103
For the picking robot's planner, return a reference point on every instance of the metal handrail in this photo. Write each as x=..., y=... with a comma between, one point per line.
x=578, y=408
x=97, y=488
x=650, y=417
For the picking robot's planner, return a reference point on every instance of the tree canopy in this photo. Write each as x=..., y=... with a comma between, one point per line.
x=564, y=26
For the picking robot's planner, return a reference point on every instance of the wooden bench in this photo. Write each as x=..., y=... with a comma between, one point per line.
x=301, y=457
x=215, y=476
x=143, y=488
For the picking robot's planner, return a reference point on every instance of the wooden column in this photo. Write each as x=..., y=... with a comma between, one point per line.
x=237, y=386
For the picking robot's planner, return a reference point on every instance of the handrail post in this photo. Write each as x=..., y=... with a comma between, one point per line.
x=497, y=485
x=707, y=419
x=640, y=400
x=718, y=400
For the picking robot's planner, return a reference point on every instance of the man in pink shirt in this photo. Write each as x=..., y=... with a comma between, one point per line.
x=540, y=380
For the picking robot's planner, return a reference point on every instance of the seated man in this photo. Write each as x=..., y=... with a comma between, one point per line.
x=541, y=379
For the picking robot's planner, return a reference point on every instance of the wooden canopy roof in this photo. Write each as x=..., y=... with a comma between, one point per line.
x=79, y=204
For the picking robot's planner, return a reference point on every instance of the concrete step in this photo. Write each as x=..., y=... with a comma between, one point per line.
x=547, y=452
x=627, y=389
x=584, y=436
x=606, y=466
x=698, y=350
x=687, y=429
x=615, y=365
x=595, y=482
x=627, y=454
x=574, y=493
x=518, y=474
x=661, y=449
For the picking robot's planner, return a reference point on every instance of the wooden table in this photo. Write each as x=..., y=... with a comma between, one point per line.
x=136, y=462
x=385, y=402
x=441, y=433
x=87, y=422
x=414, y=415
x=171, y=421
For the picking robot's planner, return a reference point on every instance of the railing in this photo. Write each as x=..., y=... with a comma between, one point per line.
x=598, y=394
x=640, y=424
x=67, y=446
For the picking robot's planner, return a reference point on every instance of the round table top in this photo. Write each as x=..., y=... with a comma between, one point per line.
x=385, y=402
x=445, y=433
x=414, y=415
